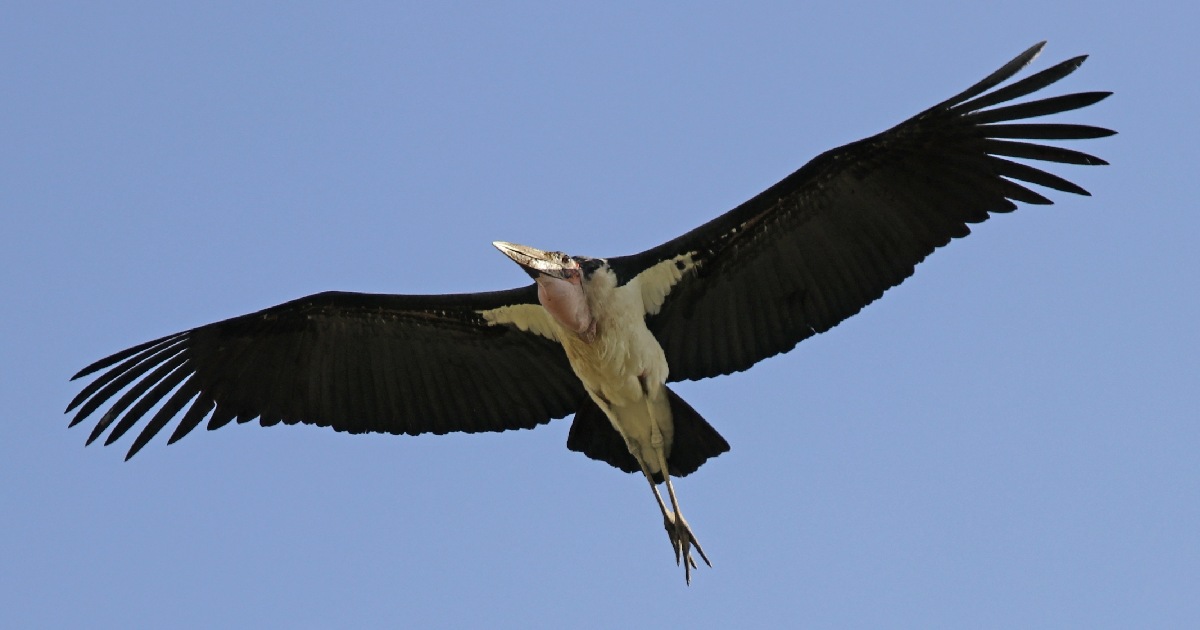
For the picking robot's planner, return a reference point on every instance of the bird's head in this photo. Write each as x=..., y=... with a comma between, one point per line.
x=562, y=284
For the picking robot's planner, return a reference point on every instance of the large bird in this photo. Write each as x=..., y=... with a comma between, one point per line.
x=601, y=338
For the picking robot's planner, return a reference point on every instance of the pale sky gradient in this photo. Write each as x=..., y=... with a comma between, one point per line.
x=1009, y=439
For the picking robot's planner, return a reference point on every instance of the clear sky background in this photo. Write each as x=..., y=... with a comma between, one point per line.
x=1009, y=439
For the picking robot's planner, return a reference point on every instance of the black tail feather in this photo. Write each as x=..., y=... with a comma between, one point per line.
x=593, y=435
x=695, y=440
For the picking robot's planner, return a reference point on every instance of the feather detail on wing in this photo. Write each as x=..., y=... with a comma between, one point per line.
x=354, y=362
x=830, y=238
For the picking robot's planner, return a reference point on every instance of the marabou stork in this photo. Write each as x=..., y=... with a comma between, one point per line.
x=600, y=338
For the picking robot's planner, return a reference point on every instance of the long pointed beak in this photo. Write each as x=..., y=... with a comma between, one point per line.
x=535, y=261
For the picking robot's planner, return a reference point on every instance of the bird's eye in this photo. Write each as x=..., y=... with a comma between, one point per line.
x=589, y=266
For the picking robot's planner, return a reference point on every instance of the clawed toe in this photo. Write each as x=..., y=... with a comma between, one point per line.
x=682, y=541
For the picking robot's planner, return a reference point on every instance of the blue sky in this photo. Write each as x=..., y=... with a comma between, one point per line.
x=1009, y=439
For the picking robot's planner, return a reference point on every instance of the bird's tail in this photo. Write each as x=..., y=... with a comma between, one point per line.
x=695, y=440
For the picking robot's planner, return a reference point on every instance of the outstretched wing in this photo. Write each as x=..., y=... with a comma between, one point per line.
x=354, y=362
x=830, y=238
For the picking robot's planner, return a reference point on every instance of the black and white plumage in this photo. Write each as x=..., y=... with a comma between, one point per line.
x=601, y=338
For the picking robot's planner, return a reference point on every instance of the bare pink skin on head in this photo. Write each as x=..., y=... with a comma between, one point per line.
x=560, y=286
x=563, y=298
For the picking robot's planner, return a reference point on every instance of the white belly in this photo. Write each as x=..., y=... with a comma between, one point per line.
x=624, y=370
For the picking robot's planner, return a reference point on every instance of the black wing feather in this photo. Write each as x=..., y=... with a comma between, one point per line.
x=830, y=238
x=1042, y=131
x=354, y=362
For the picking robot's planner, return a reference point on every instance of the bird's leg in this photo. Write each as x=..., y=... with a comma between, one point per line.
x=668, y=516
x=677, y=527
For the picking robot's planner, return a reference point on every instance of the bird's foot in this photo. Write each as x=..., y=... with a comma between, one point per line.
x=682, y=541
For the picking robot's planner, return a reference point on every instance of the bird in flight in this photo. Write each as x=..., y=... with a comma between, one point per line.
x=601, y=338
